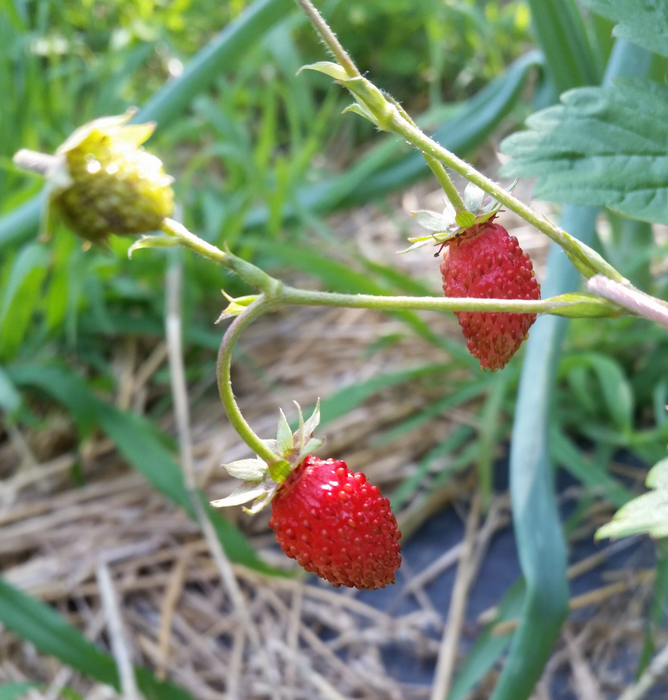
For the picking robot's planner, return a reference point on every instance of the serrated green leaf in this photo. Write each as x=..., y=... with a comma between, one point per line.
x=600, y=147
x=641, y=23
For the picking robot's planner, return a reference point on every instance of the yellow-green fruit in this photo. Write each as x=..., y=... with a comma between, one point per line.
x=109, y=183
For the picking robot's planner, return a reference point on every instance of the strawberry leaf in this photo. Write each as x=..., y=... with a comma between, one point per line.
x=641, y=23
x=598, y=148
x=646, y=514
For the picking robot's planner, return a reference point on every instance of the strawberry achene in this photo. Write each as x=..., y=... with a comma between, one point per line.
x=337, y=525
x=485, y=262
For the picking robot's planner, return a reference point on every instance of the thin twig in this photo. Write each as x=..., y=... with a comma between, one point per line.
x=447, y=656
x=169, y=603
x=119, y=647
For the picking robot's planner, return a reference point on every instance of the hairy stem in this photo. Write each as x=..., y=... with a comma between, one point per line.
x=566, y=305
x=329, y=38
x=255, y=310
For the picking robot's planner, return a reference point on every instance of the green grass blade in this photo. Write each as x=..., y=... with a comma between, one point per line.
x=168, y=103
x=562, y=35
x=22, y=294
x=538, y=531
x=10, y=399
x=453, y=442
x=344, y=401
x=657, y=612
x=13, y=691
x=141, y=444
x=229, y=46
x=592, y=475
x=488, y=647
x=41, y=625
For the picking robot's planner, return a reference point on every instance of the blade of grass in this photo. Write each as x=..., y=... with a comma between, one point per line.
x=562, y=34
x=168, y=103
x=453, y=442
x=13, y=691
x=41, y=625
x=657, y=612
x=538, y=531
x=489, y=647
x=540, y=541
x=592, y=475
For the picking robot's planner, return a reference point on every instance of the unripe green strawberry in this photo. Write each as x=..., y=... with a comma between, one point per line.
x=485, y=262
x=337, y=525
x=107, y=183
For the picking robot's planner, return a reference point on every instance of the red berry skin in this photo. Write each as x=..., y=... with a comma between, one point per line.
x=486, y=263
x=337, y=525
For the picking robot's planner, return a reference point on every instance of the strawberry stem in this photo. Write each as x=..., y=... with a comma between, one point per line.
x=274, y=292
x=329, y=38
x=243, y=429
x=389, y=115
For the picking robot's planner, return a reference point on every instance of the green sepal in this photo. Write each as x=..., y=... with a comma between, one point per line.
x=152, y=242
x=465, y=219
x=333, y=70
x=279, y=471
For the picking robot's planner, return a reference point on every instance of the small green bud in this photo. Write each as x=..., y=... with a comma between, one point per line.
x=106, y=183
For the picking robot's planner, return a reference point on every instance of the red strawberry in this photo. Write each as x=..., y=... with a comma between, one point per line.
x=486, y=263
x=336, y=524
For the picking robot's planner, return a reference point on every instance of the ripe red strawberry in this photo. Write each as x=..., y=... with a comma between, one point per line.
x=336, y=524
x=486, y=263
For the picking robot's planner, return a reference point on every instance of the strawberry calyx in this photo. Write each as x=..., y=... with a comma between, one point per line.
x=262, y=479
x=447, y=225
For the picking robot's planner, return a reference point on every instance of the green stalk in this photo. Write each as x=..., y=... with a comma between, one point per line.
x=274, y=290
x=223, y=373
x=565, y=305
